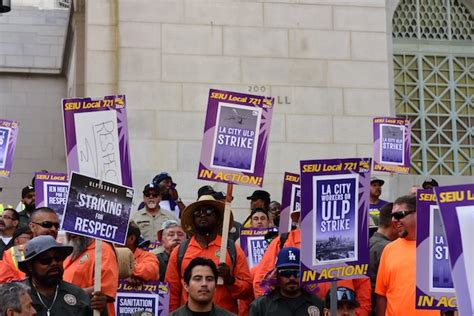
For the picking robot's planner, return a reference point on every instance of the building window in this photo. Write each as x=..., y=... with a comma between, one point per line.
x=434, y=83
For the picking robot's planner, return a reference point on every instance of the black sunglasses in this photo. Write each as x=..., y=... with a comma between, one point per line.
x=399, y=215
x=207, y=212
x=287, y=273
x=148, y=195
x=47, y=260
x=47, y=224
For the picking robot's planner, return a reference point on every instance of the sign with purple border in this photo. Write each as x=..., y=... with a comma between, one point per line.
x=96, y=134
x=456, y=204
x=97, y=209
x=392, y=144
x=334, y=219
x=150, y=298
x=51, y=191
x=434, y=285
x=254, y=244
x=290, y=201
x=235, y=141
x=8, y=136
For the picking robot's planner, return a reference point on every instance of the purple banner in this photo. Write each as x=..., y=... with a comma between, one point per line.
x=434, y=285
x=254, y=244
x=96, y=134
x=456, y=204
x=235, y=141
x=51, y=191
x=151, y=298
x=290, y=201
x=8, y=135
x=97, y=209
x=392, y=144
x=334, y=215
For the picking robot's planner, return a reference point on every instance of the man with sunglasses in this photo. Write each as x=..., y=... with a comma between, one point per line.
x=51, y=295
x=151, y=217
x=288, y=298
x=203, y=221
x=44, y=221
x=396, y=278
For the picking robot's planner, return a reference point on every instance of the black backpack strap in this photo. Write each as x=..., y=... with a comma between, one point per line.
x=283, y=238
x=181, y=251
x=232, y=252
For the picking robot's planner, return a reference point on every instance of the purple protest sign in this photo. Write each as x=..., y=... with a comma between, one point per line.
x=456, y=204
x=96, y=134
x=235, y=141
x=290, y=201
x=8, y=135
x=51, y=191
x=97, y=209
x=392, y=144
x=150, y=298
x=334, y=219
x=254, y=244
x=434, y=285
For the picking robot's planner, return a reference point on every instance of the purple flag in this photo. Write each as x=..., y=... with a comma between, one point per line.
x=434, y=285
x=392, y=144
x=290, y=201
x=8, y=135
x=96, y=134
x=334, y=215
x=456, y=204
x=150, y=298
x=235, y=141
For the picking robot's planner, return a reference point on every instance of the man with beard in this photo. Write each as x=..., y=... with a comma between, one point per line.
x=150, y=218
x=170, y=199
x=51, y=295
x=79, y=270
x=44, y=221
x=203, y=221
x=288, y=298
x=275, y=210
x=9, y=221
x=170, y=236
x=396, y=278
x=26, y=205
x=200, y=278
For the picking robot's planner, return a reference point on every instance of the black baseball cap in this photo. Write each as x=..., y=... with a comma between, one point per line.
x=430, y=182
x=26, y=190
x=259, y=194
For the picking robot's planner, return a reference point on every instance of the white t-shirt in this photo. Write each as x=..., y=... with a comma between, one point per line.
x=167, y=206
x=6, y=240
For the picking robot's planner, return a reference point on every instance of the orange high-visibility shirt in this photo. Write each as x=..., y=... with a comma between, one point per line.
x=146, y=265
x=80, y=271
x=226, y=296
x=9, y=271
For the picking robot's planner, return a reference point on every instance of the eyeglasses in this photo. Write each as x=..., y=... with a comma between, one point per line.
x=7, y=217
x=399, y=215
x=206, y=212
x=149, y=195
x=47, y=224
x=47, y=260
x=287, y=273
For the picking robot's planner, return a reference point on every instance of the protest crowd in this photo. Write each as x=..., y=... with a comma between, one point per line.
x=170, y=242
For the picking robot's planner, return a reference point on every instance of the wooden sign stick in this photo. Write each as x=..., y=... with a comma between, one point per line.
x=225, y=227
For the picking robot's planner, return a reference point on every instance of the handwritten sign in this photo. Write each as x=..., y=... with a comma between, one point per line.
x=8, y=136
x=97, y=209
x=391, y=144
x=235, y=138
x=434, y=284
x=97, y=138
x=334, y=241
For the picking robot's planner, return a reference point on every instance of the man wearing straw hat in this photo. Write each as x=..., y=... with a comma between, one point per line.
x=51, y=295
x=203, y=220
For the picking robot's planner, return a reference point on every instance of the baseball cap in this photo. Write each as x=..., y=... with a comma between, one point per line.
x=288, y=257
x=430, y=181
x=150, y=186
x=259, y=194
x=344, y=296
x=375, y=179
x=26, y=190
x=162, y=176
x=206, y=190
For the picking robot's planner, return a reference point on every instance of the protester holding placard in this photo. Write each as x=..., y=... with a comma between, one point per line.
x=396, y=278
x=150, y=219
x=203, y=221
x=79, y=270
x=51, y=295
